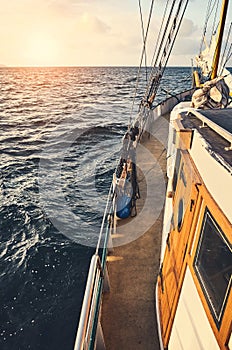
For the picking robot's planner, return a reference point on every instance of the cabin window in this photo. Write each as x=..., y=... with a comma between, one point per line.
x=213, y=266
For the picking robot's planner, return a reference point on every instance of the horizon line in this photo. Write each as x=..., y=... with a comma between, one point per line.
x=97, y=66
x=86, y=66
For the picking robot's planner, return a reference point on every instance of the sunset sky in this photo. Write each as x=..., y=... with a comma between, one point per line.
x=87, y=32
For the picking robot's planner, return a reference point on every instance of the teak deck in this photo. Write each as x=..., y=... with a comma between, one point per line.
x=128, y=312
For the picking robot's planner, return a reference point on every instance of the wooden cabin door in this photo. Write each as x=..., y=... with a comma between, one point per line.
x=178, y=243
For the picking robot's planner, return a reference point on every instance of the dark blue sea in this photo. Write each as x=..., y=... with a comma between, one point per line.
x=60, y=137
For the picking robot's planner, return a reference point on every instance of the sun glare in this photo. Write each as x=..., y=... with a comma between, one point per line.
x=42, y=51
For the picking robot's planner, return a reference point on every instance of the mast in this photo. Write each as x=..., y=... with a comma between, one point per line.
x=219, y=39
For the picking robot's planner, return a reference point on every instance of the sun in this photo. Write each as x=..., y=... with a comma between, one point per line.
x=42, y=50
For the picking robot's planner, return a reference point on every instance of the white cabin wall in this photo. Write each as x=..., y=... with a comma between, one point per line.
x=216, y=178
x=191, y=328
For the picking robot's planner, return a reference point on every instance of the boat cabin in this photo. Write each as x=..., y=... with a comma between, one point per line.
x=194, y=283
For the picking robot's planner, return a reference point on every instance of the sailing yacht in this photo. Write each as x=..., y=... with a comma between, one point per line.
x=161, y=274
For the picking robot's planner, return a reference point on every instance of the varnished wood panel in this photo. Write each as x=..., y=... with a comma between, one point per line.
x=222, y=334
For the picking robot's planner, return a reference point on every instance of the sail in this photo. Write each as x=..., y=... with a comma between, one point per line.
x=205, y=61
x=205, y=58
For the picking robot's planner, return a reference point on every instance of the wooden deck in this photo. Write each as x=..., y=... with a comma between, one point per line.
x=128, y=311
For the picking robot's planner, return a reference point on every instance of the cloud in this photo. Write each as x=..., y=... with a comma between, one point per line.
x=71, y=8
x=187, y=28
x=87, y=31
x=90, y=23
x=186, y=46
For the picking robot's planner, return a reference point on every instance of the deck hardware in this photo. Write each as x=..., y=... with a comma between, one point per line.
x=182, y=175
x=161, y=278
x=168, y=241
x=229, y=148
x=110, y=218
x=192, y=202
x=185, y=250
x=99, y=265
x=203, y=125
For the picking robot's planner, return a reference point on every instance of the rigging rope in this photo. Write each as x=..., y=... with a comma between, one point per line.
x=160, y=31
x=214, y=27
x=142, y=27
x=207, y=16
x=229, y=54
x=225, y=48
x=160, y=48
x=165, y=51
x=141, y=60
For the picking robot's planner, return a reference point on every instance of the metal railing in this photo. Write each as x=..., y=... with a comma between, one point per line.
x=89, y=329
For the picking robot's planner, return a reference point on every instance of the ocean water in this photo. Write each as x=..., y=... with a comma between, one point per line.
x=60, y=139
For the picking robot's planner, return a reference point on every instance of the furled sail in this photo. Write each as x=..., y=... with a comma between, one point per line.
x=214, y=94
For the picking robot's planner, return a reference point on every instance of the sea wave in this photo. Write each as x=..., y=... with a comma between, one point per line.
x=64, y=125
